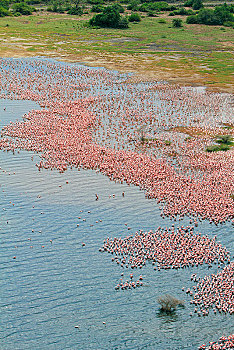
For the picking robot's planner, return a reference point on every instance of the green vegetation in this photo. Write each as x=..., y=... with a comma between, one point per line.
x=4, y=4
x=97, y=8
x=76, y=11
x=224, y=141
x=4, y=12
x=110, y=18
x=219, y=16
x=177, y=22
x=17, y=9
x=162, y=20
x=182, y=12
x=155, y=7
x=193, y=53
x=228, y=127
x=195, y=4
x=134, y=17
x=22, y=8
x=167, y=142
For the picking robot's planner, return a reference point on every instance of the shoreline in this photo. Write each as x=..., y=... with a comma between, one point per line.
x=127, y=65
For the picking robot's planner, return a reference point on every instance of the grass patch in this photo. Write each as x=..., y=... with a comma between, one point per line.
x=204, y=53
x=224, y=144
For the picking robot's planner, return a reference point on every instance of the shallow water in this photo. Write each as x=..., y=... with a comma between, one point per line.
x=51, y=287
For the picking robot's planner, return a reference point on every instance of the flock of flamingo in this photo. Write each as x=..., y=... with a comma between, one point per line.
x=222, y=344
x=152, y=135
x=215, y=291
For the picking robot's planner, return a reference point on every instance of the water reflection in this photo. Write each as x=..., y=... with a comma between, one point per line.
x=167, y=317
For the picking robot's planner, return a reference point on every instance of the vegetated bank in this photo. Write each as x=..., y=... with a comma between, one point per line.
x=156, y=39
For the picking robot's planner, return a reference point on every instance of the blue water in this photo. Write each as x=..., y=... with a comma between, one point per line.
x=56, y=284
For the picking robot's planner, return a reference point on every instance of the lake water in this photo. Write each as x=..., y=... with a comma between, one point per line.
x=56, y=283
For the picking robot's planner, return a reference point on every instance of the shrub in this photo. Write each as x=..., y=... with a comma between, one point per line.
x=119, y=8
x=110, y=17
x=197, y=4
x=134, y=17
x=4, y=4
x=229, y=24
x=123, y=23
x=133, y=6
x=223, y=13
x=182, y=11
x=225, y=139
x=218, y=16
x=75, y=10
x=156, y=6
x=97, y=8
x=33, y=2
x=56, y=7
x=168, y=303
x=4, y=12
x=207, y=16
x=95, y=2
x=151, y=14
x=216, y=148
x=177, y=23
x=190, y=12
x=162, y=20
x=67, y=7
x=22, y=8
x=188, y=3
x=191, y=19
